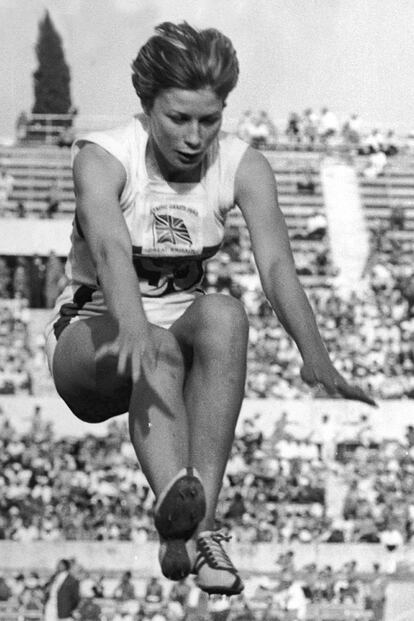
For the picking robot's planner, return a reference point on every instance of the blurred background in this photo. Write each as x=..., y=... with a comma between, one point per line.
x=318, y=495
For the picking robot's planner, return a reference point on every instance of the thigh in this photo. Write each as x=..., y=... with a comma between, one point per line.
x=92, y=389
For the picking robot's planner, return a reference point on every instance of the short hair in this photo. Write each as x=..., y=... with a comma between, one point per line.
x=180, y=56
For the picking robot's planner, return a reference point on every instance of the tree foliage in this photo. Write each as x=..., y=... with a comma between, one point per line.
x=52, y=76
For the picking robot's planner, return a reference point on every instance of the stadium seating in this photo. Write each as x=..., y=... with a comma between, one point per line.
x=34, y=170
x=395, y=187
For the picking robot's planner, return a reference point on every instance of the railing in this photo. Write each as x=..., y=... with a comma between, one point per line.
x=49, y=128
x=13, y=611
x=45, y=128
x=314, y=612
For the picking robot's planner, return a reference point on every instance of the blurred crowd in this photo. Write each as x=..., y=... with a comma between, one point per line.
x=276, y=486
x=369, y=332
x=39, y=280
x=16, y=354
x=288, y=594
x=313, y=130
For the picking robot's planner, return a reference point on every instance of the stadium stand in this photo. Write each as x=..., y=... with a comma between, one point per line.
x=90, y=488
x=394, y=189
x=35, y=169
x=278, y=491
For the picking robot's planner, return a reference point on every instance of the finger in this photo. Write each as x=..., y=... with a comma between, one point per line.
x=122, y=362
x=150, y=362
x=148, y=371
x=107, y=349
x=136, y=368
x=355, y=393
x=331, y=389
x=308, y=378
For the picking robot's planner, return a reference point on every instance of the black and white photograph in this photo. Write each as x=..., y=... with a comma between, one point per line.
x=206, y=310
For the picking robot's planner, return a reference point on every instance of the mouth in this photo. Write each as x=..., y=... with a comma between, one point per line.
x=189, y=158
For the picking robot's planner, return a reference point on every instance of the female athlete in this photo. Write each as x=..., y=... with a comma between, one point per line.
x=133, y=331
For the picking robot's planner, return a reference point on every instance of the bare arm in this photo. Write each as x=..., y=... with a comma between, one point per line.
x=99, y=179
x=256, y=194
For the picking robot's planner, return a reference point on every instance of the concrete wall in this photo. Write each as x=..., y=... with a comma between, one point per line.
x=389, y=420
x=142, y=559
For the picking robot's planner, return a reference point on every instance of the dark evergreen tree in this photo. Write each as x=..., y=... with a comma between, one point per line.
x=52, y=77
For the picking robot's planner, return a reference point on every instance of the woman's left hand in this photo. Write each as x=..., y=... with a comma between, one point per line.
x=323, y=373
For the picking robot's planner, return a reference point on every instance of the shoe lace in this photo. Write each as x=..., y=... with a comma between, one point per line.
x=213, y=552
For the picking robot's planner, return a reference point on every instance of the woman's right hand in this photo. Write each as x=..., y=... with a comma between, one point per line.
x=134, y=348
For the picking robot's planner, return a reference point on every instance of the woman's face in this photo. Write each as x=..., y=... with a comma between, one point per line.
x=183, y=124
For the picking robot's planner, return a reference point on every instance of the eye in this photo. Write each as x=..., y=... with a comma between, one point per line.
x=210, y=120
x=178, y=119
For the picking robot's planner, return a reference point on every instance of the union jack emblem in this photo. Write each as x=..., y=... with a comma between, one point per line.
x=170, y=229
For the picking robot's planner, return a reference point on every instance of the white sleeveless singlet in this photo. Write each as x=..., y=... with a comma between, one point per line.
x=174, y=228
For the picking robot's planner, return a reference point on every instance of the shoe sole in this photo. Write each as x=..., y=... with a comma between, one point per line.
x=219, y=590
x=174, y=560
x=180, y=508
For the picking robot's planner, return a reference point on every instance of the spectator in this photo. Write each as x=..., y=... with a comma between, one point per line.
x=376, y=165
x=153, y=591
x=293, y=129
x=376, y=593
x=310, y=122
x=316, y=225
x=307, y=184
x=397, y=218
x=21, y=279
x=351, y=130
x=66, y=137
x=62, y=593
x=5, y=279
x=257, y=129
x=243, y=127
x=31, y=602
x=37, y=282
x=21, y=126
x=55, y=279
x=291, y=596
x=125, y=590
x=53, y=200
x=20, y=209
x=389, y=145
x=6, y=186
x=89, y=610
x=373, y=143
x=237, y=508
x=180, y=592
x=328, y=125
x=5, y=590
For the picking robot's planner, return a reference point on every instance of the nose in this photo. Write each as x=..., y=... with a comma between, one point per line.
x=193, y=135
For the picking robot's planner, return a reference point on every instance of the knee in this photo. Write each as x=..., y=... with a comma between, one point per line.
x=222, y=319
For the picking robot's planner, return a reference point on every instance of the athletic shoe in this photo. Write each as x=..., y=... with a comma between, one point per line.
x=174, y=559
x=181, y=506
x=216, y=573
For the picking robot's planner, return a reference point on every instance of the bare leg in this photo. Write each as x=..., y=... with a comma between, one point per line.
x=158, y=420
x=95, y=392
x=213, y=333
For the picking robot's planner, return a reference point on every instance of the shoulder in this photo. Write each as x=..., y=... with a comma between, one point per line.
x=118, y=133
x=231, y=146
x=120, y=142
x=254, y=170
x=96, y=166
